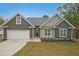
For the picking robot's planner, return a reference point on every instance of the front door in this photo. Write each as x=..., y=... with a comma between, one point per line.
x=37, y=32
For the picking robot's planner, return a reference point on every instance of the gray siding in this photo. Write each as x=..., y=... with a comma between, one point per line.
x=13, y=26
x=61, y=38
x=23, y=26
x=63, y=25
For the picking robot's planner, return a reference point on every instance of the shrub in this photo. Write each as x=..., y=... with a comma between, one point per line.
x=47, y=39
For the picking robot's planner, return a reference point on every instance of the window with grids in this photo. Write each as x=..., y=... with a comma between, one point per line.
x=47, y=32
x=62, y=32
x=18, y=20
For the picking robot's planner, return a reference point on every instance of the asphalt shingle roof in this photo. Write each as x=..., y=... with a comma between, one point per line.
x=37, y=21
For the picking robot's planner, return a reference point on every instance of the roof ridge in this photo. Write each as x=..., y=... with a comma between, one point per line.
x=34, y=17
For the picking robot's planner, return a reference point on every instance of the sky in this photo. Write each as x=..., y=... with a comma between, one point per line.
x=29, y=9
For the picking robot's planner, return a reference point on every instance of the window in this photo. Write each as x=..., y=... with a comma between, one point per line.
x=18, y=20
x=62, y=32
x=78, y=10
x=0, y=28
x=47, y=32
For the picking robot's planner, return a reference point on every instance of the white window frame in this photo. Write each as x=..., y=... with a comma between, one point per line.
x=47, y=32
x=18, y=20
x=62, y=29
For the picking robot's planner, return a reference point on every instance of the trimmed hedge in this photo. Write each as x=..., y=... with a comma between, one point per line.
x=47, y=39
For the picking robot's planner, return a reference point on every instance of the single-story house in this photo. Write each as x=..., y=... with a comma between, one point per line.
x=19, y=27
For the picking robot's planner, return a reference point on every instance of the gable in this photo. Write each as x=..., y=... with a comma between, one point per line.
x=12, y=24
x=13, y=21
x=63, y=24
x=53, y=21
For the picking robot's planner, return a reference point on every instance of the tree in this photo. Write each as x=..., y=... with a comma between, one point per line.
x=71, y=13
x=68, y=9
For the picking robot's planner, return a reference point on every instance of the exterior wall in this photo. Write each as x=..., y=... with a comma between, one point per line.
x=53, y=33
x=1, y=30
x=13, y=26
x=61, y=38
x=42, y=32
x=1, y=33
x=63, y=25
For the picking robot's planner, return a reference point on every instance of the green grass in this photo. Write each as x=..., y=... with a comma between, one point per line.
x=57, y=48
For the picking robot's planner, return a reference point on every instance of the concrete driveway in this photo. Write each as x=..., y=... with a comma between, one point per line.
x=9, y=47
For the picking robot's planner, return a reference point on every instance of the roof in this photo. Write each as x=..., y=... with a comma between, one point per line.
x=15, y=16
x=63, y=19
x=52, y=20
x=37, y=21
x=56, y=22
x=40, y=21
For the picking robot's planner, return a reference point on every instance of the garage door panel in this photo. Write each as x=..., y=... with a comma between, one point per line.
x=18, y=34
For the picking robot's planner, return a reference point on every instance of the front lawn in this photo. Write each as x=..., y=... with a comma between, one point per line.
x=58, y=48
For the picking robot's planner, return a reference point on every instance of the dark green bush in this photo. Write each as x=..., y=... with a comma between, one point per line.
x=47, y=39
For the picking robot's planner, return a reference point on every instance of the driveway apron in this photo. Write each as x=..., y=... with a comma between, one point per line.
x=10, y=47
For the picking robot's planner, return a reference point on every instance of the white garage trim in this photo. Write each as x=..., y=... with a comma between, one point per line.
x=18, y=34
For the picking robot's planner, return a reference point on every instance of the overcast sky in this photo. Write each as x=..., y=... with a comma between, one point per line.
x=28, y=9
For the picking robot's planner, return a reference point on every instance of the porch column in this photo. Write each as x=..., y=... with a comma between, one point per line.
x=33, y=33
x=2, y=33
x=71, y=34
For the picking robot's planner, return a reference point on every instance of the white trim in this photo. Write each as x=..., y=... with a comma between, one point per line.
x=71, y=33
x=3, y=33
x=18, y=34
x=32, y=32
x=69, y=23
x=4, y=26
x=31, y=27
x=62, y=32
x=66, y=21
x=15, y=16
x=44, y=23
x=27, y=21
x=9, y=19
x=58, y=22
x=47, y=32
x=18, y=19
x=47, y=21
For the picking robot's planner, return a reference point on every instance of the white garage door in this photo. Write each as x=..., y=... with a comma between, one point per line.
x=18, y=34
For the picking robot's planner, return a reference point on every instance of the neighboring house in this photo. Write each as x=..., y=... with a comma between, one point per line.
x=19, y=27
